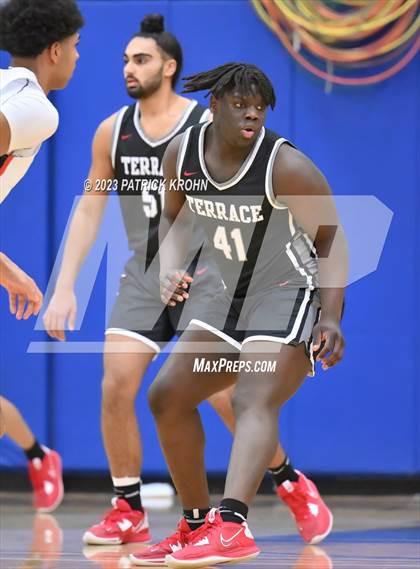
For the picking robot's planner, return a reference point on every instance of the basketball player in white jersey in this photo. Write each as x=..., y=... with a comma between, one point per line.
x=42, y=39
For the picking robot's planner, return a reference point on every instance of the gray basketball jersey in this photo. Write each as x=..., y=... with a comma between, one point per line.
x=256, y=242
x=137, y=163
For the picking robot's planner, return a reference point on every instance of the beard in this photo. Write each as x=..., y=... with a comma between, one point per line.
x=147, y=89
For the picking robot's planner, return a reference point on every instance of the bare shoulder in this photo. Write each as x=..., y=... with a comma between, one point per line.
x=174, y=145
x=171, y=156
x=106, y=128
x=296, y=172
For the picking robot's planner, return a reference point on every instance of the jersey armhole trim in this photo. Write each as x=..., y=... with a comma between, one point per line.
x=205, y=116
x=269, y=190
x=116, y=133
x=182, y=151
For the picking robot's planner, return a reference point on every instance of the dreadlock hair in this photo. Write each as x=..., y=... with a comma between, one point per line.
x=244, y=77
x=152, y=26
x=27, y=27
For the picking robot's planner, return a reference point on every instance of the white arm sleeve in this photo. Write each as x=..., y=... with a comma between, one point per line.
x=31, y=117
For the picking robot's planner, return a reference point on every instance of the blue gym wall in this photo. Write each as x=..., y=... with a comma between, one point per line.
x=361, y=417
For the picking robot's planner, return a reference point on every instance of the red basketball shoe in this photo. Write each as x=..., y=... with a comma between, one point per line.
x=46, y=478
x=155, y=555
x=313, y=519
x=120, y=525
x=216, y=542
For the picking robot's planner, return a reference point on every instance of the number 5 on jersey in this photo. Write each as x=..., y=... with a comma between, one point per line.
x=150, y=206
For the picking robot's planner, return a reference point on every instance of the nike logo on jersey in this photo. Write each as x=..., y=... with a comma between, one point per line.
x=186, y=173
x=126, y=136
x=229, y=542
x=201, y=271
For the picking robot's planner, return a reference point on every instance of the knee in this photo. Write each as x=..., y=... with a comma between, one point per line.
x=118, y=389
x=162, y=395
x=167, y=395
x=245, y=400
x=241, y=403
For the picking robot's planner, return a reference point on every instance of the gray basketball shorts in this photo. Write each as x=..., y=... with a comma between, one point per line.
x=278, y=314
x=139, y=313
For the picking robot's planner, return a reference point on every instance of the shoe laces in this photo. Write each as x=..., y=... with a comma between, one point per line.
x=298, y=501
x=114, y=514
x=212, y=523
x=179, y=535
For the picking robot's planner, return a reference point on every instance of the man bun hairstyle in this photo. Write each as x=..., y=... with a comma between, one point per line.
x=153, y=26
x=27, y=27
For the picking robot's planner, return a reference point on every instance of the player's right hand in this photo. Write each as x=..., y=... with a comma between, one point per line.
x=25, y=298
x=174, y=286
x=62, y=308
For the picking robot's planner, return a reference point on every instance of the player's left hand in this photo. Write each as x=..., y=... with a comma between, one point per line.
x=329, y=340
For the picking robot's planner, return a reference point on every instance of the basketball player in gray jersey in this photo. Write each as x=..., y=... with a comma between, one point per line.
x=268, y=214
x=129, y=147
